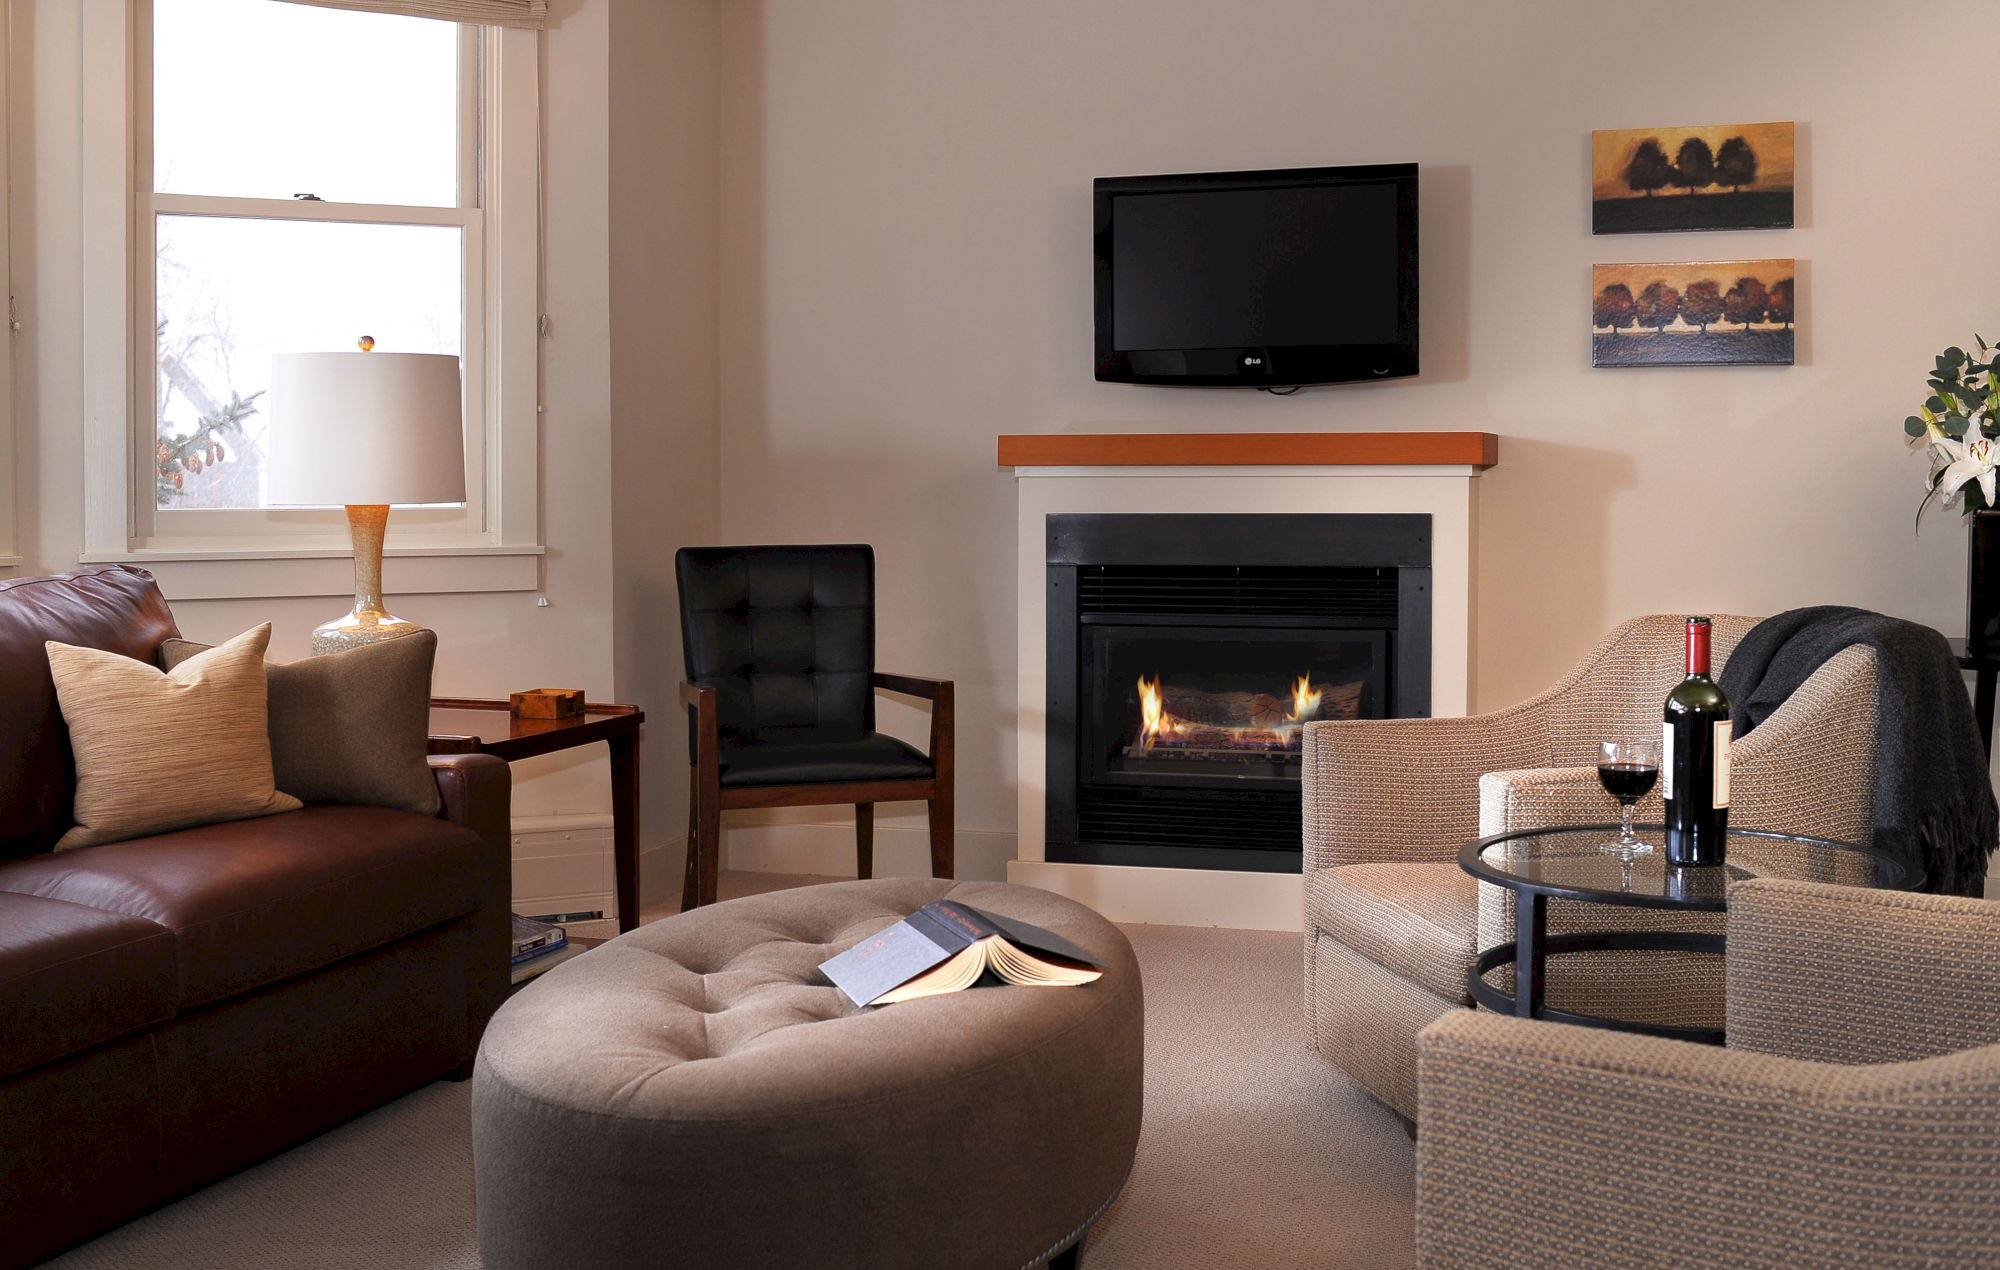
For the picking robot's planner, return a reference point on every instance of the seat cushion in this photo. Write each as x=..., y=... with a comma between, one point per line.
x=1419, y=920
x=251, y=902
x=812, y=756
x=72, y=977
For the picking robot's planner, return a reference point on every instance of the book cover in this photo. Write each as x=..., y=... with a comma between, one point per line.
x=929, y=937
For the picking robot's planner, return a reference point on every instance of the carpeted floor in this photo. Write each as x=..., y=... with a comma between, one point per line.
x=1255, y=1153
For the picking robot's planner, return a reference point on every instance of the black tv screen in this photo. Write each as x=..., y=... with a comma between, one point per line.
x=1268, y=279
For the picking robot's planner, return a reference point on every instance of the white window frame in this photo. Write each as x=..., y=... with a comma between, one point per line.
x=493, y=543
x=10, y=499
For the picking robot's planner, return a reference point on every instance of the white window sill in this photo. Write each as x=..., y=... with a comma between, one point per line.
x=276, y=572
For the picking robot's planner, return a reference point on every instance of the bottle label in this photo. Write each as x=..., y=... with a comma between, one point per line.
x=1722, y=733
x=1667, y=761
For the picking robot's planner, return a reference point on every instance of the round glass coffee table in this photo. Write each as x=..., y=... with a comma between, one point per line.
x=1567, y=863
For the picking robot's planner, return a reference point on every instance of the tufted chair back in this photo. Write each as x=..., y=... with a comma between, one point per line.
x=785, y=635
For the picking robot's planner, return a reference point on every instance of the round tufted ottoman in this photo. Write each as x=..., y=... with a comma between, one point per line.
x=694, y=1094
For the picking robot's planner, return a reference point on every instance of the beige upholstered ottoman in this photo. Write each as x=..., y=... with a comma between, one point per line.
x=694, y=1094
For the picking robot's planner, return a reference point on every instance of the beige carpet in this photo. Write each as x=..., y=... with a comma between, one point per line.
x=1254, y=1152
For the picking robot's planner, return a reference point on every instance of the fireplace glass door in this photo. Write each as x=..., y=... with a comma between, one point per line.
x=1214, y=706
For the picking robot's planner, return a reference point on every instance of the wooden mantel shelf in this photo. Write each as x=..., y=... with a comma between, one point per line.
x=1251, y=449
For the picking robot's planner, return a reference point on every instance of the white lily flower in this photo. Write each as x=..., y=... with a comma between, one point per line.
x=1969, y=460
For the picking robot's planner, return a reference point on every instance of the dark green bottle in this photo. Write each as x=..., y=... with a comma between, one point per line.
x=1694, y=759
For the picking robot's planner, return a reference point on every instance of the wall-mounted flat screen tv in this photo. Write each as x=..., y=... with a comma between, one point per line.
x=1258, y=279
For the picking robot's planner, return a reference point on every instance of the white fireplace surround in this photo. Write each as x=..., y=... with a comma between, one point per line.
x=1445, y=491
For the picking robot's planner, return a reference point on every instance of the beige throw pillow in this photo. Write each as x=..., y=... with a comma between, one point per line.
x=158, y=751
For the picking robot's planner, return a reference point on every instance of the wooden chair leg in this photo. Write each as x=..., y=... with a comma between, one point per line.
x=711, y=845
x=690, y=881
x=864, y=840
x=941, y=838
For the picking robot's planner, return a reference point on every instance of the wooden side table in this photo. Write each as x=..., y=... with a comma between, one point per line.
x=472, y=725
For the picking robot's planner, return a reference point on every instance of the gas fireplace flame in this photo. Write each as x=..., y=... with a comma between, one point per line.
x=1305, y=699
x=1154, y=719
x=1210, y=720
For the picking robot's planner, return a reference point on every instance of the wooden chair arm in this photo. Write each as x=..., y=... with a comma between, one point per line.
x=913, y=685
x=696, y=697
x=939, y=692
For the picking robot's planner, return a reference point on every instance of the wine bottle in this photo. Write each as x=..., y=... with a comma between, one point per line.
x=1694, y=759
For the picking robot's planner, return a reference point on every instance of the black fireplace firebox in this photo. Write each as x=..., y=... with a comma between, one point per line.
x=1186, y=654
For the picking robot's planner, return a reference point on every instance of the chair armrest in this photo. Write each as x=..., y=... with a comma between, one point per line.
x=941, y=693
x=1544, y=1144
x=1810, y=767
x=1542, y=797
x=912, y=685
x=1849, y=974
x=1407, y=790
x=476, y=790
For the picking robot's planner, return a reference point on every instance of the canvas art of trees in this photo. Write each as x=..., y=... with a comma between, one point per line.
x=1730, y=313
x=1728, y=176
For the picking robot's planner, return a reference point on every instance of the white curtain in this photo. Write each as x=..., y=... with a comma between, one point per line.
x=532, y=14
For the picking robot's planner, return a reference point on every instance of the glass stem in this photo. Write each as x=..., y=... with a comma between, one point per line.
x=1625, y=834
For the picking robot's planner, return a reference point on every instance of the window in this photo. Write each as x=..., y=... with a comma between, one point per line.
x=300, y=177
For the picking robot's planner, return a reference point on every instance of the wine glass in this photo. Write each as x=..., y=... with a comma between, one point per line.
x=1628, y=771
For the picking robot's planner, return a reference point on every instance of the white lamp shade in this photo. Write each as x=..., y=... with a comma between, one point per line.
x=360, y=428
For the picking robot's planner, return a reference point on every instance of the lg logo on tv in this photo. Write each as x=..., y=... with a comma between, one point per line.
x=1253, y=361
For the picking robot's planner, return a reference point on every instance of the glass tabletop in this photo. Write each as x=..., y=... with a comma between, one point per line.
x=1568, y=862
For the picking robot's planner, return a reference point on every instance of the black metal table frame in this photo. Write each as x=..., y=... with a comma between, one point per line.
x=1531, y=914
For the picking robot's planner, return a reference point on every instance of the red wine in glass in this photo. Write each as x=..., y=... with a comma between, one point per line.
x=1628, y=770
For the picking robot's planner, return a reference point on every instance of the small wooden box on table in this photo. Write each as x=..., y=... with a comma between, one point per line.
x=469, y=725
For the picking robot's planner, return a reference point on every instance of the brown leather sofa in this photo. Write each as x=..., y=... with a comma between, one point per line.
x=177, y=1007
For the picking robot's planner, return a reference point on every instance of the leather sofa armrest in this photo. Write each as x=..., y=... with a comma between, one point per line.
x=476, y=790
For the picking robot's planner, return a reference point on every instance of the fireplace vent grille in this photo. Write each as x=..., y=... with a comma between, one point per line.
x=1264, y=820
x=1350, y=595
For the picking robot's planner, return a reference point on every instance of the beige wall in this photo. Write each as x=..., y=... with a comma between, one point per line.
x=664, y=479
x=906, y=208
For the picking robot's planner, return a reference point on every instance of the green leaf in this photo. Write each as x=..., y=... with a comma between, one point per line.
x=1914, y=426
x=1953, y=356
x=1934, y=404
x=1954, y=426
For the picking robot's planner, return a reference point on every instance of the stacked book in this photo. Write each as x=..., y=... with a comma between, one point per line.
x=539, y=945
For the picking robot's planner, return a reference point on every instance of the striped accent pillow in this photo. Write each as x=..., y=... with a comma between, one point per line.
x=157, y=750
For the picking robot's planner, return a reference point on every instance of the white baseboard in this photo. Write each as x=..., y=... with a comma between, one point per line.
x=827, y=849
x=562, y=864
x=1173, y=897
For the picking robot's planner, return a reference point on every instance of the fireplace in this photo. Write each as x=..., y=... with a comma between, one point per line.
x=1186, y=654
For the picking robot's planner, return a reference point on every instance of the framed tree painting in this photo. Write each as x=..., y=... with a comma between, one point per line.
x=1725, y=313
x=1718, y=176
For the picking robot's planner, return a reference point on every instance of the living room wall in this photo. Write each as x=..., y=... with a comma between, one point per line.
x=905, y=274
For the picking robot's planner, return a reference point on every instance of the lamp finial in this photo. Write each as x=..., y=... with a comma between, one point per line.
x=367, y=343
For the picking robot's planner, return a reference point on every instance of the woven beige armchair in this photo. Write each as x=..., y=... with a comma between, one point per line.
x=1392, y=922
x=1853, y=1120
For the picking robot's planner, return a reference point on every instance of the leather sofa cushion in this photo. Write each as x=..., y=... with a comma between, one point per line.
x=72, y=977
x=785, y=635
x=115, y=608
x=1419, y=920
x=808, y=756
x=253, y=901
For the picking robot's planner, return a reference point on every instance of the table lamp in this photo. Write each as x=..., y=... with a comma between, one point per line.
x=365, y=430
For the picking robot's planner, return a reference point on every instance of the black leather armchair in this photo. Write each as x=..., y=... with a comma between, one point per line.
x=780, y=650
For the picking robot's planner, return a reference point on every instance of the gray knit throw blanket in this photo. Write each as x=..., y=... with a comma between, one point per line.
x=1933, y=798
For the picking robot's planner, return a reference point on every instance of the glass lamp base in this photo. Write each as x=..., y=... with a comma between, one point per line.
x=359, y=629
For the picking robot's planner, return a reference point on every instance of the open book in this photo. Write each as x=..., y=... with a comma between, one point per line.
x=945, y=947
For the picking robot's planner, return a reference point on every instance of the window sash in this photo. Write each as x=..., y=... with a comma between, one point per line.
x=528, y=14
x=169, y=529
x=504, y=558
